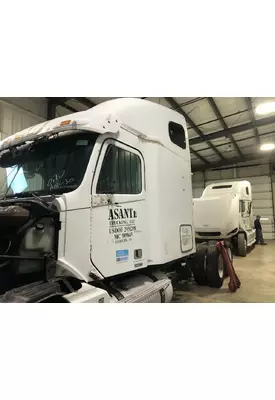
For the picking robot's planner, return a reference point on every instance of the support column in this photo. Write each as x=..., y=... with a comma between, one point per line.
x=51, y=109
x=272, y=183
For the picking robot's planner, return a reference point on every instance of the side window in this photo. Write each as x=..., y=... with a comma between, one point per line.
x=121, y=172
x=242, y=207
x=245, y=208
x=177, y=134
x=247, y=190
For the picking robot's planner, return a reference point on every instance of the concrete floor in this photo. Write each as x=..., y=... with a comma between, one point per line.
x=257, y=275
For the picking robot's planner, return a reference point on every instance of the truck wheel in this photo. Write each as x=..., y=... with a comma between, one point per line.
x=199, y=265
x=242, y=245
x=214, y=268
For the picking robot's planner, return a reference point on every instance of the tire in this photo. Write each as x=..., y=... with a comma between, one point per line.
x=242, y=245
x=199, y=264
x=214, y=268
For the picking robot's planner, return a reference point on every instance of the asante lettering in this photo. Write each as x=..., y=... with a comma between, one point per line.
x=122, y=213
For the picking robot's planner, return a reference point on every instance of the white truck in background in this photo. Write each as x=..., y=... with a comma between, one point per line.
x=224, y=212
x=97, y=206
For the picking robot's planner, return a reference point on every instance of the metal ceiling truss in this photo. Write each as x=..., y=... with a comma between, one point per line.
x=225, y=133
x=270, y=133
x=192, y=125
x=85, y=101
x=216, y=111
x=235, y=129
x=51, y=106
x=252, y=116
x=230, y=161
x=238, y=113
x=53, y=102
x=200, y=157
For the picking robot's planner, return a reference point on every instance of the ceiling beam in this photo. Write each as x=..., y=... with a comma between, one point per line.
x=73, y=110
x=199, y=157
x=216, y=111
x=252, y=116
x=192, y=125
x=53, y=102
x=85, y=101
x=59, y=99
x=238, y=113
x=189, y=121
x=235, y=129
x=232, y=162
x=271, y=134
x=51, y=107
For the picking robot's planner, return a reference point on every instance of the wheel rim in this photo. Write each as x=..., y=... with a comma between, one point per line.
x=220, y=268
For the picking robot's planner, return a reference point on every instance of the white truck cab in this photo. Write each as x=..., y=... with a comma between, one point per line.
x=106, y=195
x=224, y=211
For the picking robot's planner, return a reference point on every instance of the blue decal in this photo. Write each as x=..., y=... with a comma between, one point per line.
x=122, y=255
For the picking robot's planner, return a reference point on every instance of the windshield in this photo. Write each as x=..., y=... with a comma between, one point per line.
x=51, y=166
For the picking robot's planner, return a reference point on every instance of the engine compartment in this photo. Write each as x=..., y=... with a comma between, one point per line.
x=28, y=242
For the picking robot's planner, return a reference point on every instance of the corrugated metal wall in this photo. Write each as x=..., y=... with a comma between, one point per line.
x=17, y=114
x=263, y=190
x=198, y=184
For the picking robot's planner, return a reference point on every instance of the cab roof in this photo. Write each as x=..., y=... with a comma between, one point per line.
x=140, y=117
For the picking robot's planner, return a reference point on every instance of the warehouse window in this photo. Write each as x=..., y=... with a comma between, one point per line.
x=120, y=172
x=177, y=134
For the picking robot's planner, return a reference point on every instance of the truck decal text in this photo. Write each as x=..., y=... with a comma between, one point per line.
x=122, y=224
x=122, y=213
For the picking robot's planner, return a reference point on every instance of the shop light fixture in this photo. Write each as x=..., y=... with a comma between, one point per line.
x=267, y=146
x=266, y=108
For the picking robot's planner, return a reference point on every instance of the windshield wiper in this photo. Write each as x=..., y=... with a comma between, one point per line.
x=28, y=194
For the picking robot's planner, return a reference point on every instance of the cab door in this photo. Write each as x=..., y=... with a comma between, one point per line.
x=118, y=214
